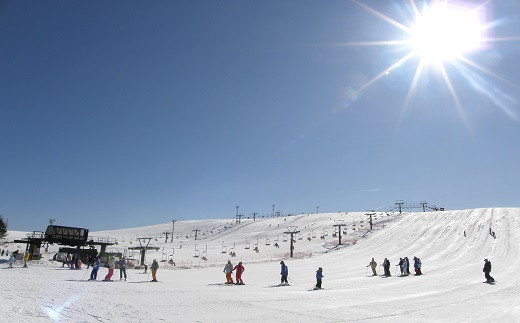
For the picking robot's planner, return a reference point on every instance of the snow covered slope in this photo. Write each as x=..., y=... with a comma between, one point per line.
x=451, y=289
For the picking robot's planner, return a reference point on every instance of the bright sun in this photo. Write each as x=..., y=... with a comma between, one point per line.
x=441, y=33
x=445, y=32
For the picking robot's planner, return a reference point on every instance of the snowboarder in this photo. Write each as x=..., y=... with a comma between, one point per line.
x=154, y=267
x=284, y=272
x=111, y=265
x=373, y=264
x=386, y=267
x=228, y=269
x=95, y=267
x=239, y=270
x=122, y=268
x=417, y=265
x=487, y=270
x=319, y=276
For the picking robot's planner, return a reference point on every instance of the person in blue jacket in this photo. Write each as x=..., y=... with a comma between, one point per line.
x=284, y=273
x=319, y=276
x=95, y=266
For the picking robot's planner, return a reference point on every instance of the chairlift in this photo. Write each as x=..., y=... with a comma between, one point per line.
x=224, y=248
x=300, y=236
x=197, y=252
x=285, y=237
x=204, y=255
x=267, y=241
x=247, y=245
x=313, y=234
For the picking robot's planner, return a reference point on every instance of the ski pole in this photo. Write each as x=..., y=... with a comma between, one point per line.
x=366, y=272
x=292, y=281
x=86, y=271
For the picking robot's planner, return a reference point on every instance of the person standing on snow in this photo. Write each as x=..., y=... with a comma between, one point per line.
x=228, y=269
x=373, y=264
x=239, y=270
x=26, y=257
x=155, y=266
x=407, y=266
x=111, y=265
x=285, y=273
x=386, y=267
x=401, y=266
x=10, y=261
x=487, y=270
x=122, y=268
x=319, y=276
x=417, y=265
x=95, y=267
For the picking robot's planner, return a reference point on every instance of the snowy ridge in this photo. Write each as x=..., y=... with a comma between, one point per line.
x=450, y=290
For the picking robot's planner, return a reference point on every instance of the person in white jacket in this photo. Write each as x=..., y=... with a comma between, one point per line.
x=228, y=270
x=111, y=266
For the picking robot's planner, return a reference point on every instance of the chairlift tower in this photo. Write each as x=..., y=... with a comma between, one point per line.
x=424, y=204
x=292, y=231
x=196, y=232
x=370, y=214
x=166, y=233
x=399, y=204
x=173, y=229
x=339, y=225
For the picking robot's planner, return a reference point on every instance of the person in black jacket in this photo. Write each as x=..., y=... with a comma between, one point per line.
x=487, y=270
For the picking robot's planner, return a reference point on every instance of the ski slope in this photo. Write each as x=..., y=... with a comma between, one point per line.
x=451, y=289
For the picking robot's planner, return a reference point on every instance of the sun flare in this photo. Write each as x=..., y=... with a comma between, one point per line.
x=445, y=32
x=438, y=33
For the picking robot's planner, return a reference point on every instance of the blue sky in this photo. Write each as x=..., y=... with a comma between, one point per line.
x=118, y=114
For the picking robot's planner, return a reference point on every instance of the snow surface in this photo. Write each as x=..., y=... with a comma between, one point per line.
x=451, y=289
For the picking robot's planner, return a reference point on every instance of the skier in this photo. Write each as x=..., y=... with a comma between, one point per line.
x=417, y=265
x=284, y=272
x=373, y=264
x=487, y=270
x=239, y=270
x=122, y=268
x=228, y=269
x=401, y=265
x=154, y=267
x=319, y=276
x=111, y=265
x=10, y=261
x=95, y=267
x=386, y=266
x=25, y=259
x=407, y=266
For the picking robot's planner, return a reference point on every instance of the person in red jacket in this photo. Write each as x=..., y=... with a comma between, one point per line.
x=239, y=270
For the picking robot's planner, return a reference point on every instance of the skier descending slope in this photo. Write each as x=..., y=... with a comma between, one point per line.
x=239, y=270
x=284, y=272
x=319, y=276
x=487, y=270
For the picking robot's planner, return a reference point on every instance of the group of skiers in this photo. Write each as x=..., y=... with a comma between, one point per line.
x=404, y=265
x=228, y=270
x=284, y=272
